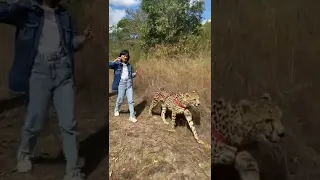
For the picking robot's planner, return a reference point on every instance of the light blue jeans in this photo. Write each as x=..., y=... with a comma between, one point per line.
x=51, y=80
x=125, y=89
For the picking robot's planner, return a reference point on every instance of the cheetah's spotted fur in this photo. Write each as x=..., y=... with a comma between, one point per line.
x=234, y=125
x=177, y=103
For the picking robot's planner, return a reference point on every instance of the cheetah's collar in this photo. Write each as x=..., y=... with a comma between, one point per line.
x=178, y=103
x=218, y=136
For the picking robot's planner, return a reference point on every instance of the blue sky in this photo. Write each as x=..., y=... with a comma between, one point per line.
x=117, y=9
x=207, y=13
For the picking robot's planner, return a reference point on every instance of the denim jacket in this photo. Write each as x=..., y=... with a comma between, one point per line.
x=28, y=18
x=117, y=67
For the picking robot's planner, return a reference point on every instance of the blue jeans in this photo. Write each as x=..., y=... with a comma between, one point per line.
x=125, y=88
x=51, y=81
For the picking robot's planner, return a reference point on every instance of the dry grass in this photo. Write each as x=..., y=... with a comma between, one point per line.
x=181, y=74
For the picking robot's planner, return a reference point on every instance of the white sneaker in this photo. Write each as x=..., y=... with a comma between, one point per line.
x=116, y=113
x=75, y=175
x=24, y=163
x=132, y=119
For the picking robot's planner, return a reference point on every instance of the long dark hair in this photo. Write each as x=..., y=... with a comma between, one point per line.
x=126, y=53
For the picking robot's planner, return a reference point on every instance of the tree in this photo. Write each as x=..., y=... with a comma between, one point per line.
x=159, y=22
x=168, y=21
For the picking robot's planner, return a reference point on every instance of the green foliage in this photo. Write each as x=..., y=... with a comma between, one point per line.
x=171, y=20
x=193, y=46
x=161, y=23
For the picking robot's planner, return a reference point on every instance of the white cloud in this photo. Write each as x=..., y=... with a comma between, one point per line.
x=114, y=29
x=205, y=21
x=124, y=3
x=115, y=15
x=191, y=2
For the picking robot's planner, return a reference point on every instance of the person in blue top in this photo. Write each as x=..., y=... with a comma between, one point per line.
x=123, y=81
x=43, y=70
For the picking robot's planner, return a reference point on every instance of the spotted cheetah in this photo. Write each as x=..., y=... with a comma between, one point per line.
x=234, y=125
x=177, y=103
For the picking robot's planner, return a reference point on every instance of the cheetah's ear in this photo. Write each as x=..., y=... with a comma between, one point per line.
x=245, y=106
x=187, y=94
x=266, y=97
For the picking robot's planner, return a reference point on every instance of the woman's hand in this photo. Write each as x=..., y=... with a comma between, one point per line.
x=118, y=59
x=138, y=72
x=88, y=32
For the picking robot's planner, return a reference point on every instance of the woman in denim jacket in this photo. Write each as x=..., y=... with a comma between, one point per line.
x=43, y=70
x=123, y=81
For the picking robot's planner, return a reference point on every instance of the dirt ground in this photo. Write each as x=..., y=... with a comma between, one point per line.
x=49, y=162
x=148, y=150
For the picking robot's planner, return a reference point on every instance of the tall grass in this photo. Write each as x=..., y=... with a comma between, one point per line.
x=181, y=74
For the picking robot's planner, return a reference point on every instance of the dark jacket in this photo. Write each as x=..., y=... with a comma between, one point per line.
x=28, y=18
x=117, y=66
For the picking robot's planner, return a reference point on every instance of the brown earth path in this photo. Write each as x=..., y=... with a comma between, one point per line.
x=93, y=128
x=147, y=150
x=142, y=150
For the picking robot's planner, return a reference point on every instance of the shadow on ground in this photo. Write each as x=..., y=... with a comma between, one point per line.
x=140, y=107
x=11, y=103
x=224, y=172
x=112, y=94
x=94, y=149
x=42, y=159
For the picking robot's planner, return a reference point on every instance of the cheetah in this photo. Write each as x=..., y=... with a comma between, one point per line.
x=234, y=125
x=177, y=103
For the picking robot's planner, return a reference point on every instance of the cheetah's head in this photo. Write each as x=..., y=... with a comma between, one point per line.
x=192, y=98
x=263, y=119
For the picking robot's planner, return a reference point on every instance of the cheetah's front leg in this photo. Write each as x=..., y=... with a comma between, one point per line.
x=247, y=166
x=163, y=113
x=173, y=118
x=222, y=154
x=188, y=116
x=222, y=157
x=152, y=105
